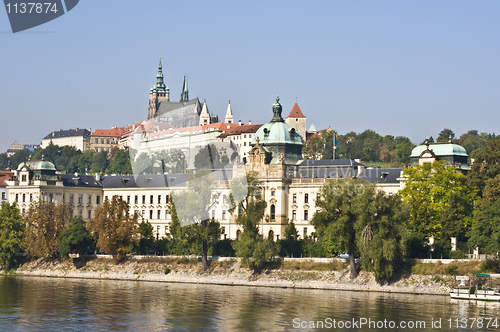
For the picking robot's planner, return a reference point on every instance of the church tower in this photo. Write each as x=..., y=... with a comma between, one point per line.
x=297, y=119
x=158, y=93
x=185, y=93
x=229, y=114
x=204, y=115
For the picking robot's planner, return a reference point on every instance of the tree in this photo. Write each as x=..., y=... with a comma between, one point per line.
x=192, y=207
x=120, y=162
x=146, y=237
x=290, y=244
x=484, y=175
x=76, y=237
x=429, y=189
x=206, y=157
x=4, y=161
x=113, y=228
x=19, y=157
x=44, y=223
x=247, y=198
x=355, y=217
x=99, y=162
x=11, y=234
x=445, y=135
x=486, y=230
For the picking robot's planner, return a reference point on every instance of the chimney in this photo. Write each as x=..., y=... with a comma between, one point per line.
x=239, y=122
x=249, y=122
x=97, y=177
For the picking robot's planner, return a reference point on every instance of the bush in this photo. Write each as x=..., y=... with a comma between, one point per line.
x=490, y=265
x=452, y=270
x=167, y=270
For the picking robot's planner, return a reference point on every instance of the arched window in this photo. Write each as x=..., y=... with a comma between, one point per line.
x=238, y=234
x=271, y=235
x=273, y=212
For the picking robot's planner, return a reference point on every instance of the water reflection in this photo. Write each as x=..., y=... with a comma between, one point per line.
x=37, y=304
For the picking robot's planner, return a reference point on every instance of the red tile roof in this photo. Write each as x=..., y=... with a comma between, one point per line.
x=115, y=132
x=296, y=112
x=5, y=176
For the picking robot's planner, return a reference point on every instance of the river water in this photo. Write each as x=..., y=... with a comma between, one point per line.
x=56, y=304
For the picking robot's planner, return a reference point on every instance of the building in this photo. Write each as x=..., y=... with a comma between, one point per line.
x=16, y=146
x=104, y=140
x=185, y=113
x=240, y=136
x=79, y=138
x=37, y=180
x=297, y=119
x=452, y=154
x=4, y=191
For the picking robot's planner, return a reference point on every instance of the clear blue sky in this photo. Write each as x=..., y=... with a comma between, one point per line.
x=406, y=68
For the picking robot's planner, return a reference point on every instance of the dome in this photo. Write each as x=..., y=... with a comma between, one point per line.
x=440, y=149
x=38, y=165
x=277, y=131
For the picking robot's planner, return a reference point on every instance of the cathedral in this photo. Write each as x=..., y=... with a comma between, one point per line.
x=184, y=113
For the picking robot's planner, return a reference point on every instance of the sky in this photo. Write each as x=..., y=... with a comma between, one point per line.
x=401, y=68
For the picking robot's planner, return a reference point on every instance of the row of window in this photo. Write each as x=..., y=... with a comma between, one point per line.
x=143, y=199
x=306, y=198
x=24, y=198
x=107, y=141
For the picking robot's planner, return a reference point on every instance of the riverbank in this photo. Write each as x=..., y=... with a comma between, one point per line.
x=306, y=274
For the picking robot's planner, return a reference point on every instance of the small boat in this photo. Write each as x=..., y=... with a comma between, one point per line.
x=475, y=293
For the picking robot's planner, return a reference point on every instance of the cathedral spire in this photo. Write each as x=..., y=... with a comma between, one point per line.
x=229, y=114
x=204, y=115
x=160, y=85
x=185, y=93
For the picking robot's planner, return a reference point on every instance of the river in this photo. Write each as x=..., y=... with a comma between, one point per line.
x=57, y=304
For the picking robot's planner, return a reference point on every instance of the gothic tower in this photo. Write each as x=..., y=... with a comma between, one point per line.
x=229, y=114
x=185, y=93
x=158, y=93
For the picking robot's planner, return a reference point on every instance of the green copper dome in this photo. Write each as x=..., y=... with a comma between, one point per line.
x=440, y=149
x=38, y=165
x=277, y=131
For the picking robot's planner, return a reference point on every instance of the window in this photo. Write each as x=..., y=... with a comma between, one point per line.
x=143, y=213
x=150, y=214
x=159, y=200
x=223, y=214
x=136, y=200
x=31, y=197
x=166, y=230
x=23, y=178
x=223, y=230
x=317, y=197
x=244, y=143
x=17, y=197
x=143, y=199
x=128, y=199
x=98, y=199
x=166, y=199
x=80, y=213
x=150, y=199
x=273, y=212
x=294, y=198
x=238, y=234
x=294, y=214
x=159, y=214
x=51, y=197
x=166, y=214
x=273, y=192
x=71, y=214
x=71, y=199
x=244, y=136
x=90, y=214
x=305, y=232
x=306, y=198
x=271, y=234
x=3, y=196
x=306, y=214
x=24, y=198
x=80, y=199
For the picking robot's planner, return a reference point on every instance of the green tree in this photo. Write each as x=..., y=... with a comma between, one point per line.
x=4, y=161
x=355, y=217
x=119, y=162
x=99, y=162
x=428, y=190
x=206, y=157
x=45, y=221
x=290, y=244
x=11, y=234
x=486, y=230
x=251, y=247
x=484, y=175
x=192, y=207
x=113, y=228
x=146, y=237
x=76, y=237
x=445, y=135
x=19, y=157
